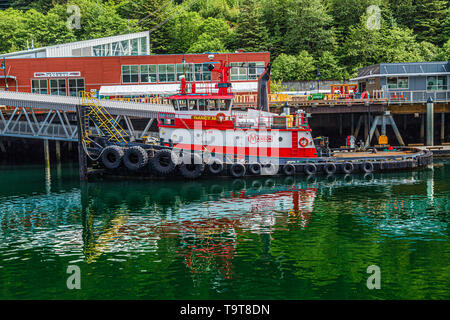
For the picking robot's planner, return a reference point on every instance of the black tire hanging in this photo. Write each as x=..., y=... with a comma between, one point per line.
x=216, y=166
x=112, y=157
x=330, y=168
x=135, y=158
x=237, y=170
x=192, y=169
x=254, y=168
x=347, y=167
x=270, y=169
x=289, y=169
x=310, y=169
x=367, y=167
x=162, y=162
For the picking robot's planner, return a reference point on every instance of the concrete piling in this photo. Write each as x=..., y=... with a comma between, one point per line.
x=430, y=122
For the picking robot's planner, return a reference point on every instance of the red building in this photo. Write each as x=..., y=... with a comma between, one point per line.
x=142, y=75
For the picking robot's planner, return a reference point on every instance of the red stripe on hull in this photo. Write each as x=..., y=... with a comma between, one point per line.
x=249, y=151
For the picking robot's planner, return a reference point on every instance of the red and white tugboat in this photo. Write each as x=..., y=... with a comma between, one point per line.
x=204, y=122
x=204, y=135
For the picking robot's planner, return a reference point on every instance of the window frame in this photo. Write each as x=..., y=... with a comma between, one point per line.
x=77, y=87
x=189, y=74
x=40, y=88
x=397, y=82
x=234, y=67
x=166, y=74
x=436, y=86
x=148, y=73
x=57, y=79
x=205, y=74
x=262, y=65
x=130, y=74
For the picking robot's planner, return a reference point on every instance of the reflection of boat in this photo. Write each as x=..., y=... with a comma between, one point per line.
x=135, y=216
x=203, y=135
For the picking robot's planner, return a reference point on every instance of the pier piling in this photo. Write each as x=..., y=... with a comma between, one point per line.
x=58, y=151
x=430, y=122
x=46, y=154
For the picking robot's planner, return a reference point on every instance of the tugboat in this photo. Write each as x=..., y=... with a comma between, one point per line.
x=204, y=135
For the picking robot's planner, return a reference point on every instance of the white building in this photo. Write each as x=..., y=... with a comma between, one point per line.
x=132, y=44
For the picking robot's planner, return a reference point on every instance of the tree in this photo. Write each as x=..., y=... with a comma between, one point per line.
x=207, y=43
x=219, y=9
x=329, y=67
x=444, y=52
x=98, y=19
x=184, y=32
x=403, y=12
x=290, y=68
x=251, y=34
x=429, y=20
x=309, y=28
x=275, y=14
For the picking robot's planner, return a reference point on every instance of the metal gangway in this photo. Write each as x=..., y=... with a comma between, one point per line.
x=52, y=117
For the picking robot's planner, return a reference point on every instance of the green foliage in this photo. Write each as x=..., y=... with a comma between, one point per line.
x=329, y=67
x=309, y=28
x=251, y=33
x=289, y=68
x=444, y=52
x=302, y=35
x=429, y=18
x=276, y=86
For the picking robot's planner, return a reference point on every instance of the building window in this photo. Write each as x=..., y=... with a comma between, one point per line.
x=202, y=72
x=130, y=74
x=58, y=87
x=134, y=47
x=75, y=86
x=437, y=83
x=398, y=82
x=166, y=72
x=121, y=48
x=238, y=71
x=185, y=69
x=255, y=69
x=148, y=73
x=102, y=50
x=39, y=86
x=143, y=45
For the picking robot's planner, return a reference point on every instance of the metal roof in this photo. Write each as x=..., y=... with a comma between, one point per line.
x=404, y=69
x=65, y=49
x=370, y=76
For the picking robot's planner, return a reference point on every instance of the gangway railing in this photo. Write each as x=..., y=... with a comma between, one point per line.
x=108, y=126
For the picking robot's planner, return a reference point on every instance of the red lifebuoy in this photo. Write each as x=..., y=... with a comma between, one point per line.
x=365, y=95
x=303, y=142
x=220, y=117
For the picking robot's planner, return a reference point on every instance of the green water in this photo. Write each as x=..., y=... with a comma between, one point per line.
x=225, y=239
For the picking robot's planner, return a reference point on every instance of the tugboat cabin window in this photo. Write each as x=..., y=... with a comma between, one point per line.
x=193, y=105
x=202, y=105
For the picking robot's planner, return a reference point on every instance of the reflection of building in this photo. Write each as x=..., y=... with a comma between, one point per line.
x=120, y=66
x=414, y=81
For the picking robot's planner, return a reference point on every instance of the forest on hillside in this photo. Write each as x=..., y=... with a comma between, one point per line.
x=335, y=37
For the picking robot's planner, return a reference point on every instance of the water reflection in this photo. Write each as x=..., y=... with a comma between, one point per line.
x=249, y=238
